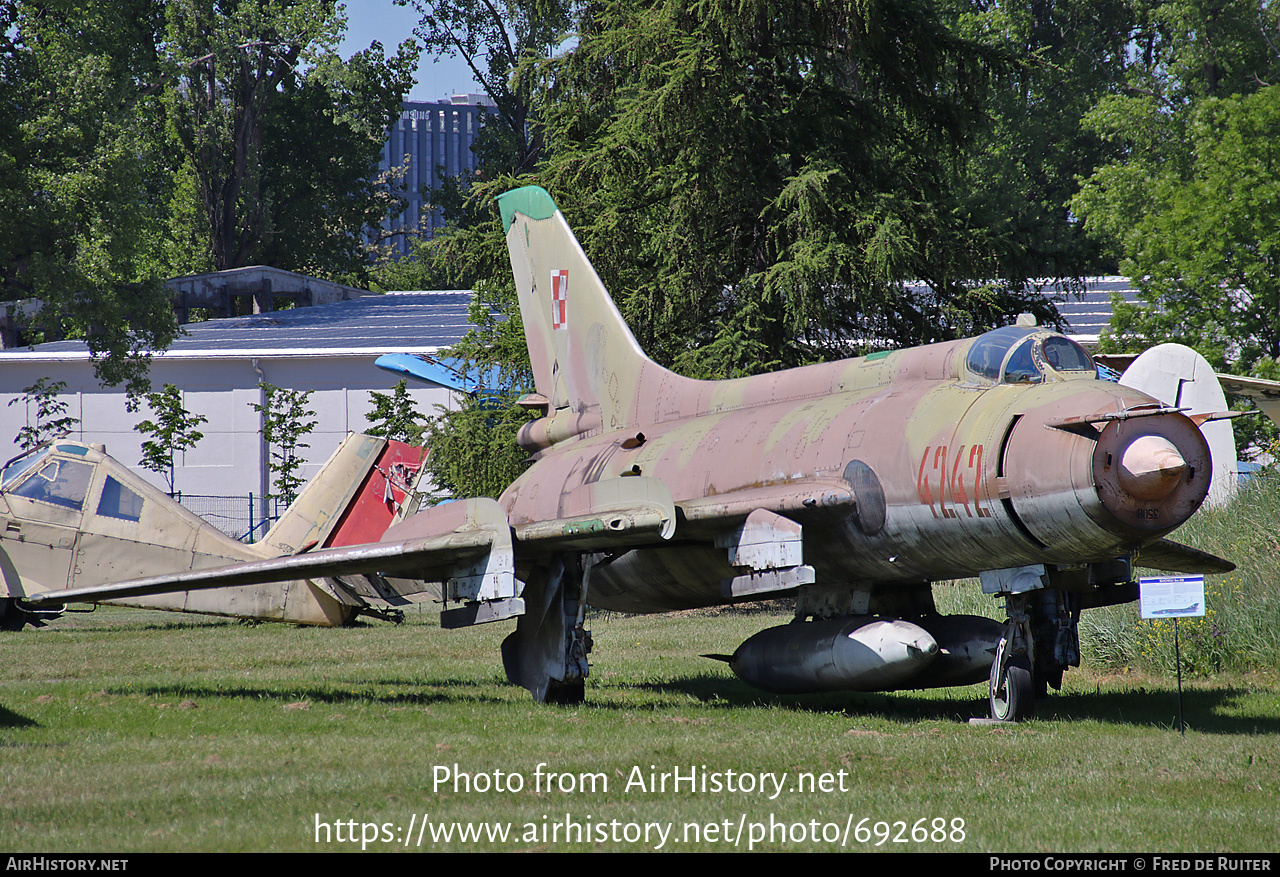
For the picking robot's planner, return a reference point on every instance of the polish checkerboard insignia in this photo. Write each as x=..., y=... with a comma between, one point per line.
x=559, y=298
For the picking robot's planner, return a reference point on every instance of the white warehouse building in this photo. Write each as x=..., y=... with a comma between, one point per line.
x=218, y=365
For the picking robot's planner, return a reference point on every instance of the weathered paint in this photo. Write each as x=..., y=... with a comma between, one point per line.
x=855, y=484
x=973, y=475
x=77, y=544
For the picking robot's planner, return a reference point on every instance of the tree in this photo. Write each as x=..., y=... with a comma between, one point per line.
x=1026, y=164
x=83, y=183
x=172, y=432
x=394, y=415
x=473, y=445
x=286, y=419
x=227, y=63
x=142, y=139
x=1192, y=49
x=248, y=81
x=494, y=38
x=1193, y=204
x=757, y=188
x=473, y=449
x=321, y=199
x=51, y=418
x=1190, y=201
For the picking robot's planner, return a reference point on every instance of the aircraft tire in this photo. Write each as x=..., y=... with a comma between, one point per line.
x=1013, y=699
x=10, y=617
x=566, y=693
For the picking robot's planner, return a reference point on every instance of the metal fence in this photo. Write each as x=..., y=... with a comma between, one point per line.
x=245, y=517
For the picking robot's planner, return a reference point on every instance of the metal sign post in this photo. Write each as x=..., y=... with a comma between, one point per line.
x=1172, y=597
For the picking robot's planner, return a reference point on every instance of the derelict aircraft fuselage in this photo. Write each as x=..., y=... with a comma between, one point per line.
x=851, y=486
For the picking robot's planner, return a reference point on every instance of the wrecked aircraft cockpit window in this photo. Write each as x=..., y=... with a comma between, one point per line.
x=15, y=468
x=119, y=501
x=58, y=482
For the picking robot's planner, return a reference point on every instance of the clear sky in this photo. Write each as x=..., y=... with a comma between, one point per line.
x=389, y=24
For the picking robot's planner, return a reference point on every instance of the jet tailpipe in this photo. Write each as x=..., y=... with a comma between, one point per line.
x=858, y=653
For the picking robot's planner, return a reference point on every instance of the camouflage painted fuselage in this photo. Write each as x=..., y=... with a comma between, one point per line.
x=908, y=466
x=967, y=475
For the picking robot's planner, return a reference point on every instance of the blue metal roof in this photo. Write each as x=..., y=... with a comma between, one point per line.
x=1087, y=311
x=403, y=321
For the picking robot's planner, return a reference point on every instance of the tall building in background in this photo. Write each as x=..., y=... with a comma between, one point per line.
x=431, y=141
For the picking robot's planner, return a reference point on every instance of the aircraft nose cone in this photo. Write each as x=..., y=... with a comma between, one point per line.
x=1150, y=467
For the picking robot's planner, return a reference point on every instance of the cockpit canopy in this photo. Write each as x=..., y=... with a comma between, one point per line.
x=1027, y=355
x=48, y=475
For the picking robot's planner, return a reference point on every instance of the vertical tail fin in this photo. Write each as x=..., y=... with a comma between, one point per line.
x=354, y=497
x=585, y=360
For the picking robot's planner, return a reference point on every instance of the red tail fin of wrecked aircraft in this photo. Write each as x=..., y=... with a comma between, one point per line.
x=353, y=499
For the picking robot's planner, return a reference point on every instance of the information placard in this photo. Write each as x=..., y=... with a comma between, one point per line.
x=1171, y=597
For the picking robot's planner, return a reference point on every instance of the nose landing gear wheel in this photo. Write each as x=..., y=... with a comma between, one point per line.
x=1012, y=694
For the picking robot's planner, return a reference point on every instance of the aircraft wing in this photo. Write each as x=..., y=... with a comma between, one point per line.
x=1171, y=556
x=446, y=371
x=466, y=544
x=396, y=557
x=1265, y=394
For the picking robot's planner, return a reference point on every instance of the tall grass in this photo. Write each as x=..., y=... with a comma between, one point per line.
x=1241, y=627
x=1240, y=631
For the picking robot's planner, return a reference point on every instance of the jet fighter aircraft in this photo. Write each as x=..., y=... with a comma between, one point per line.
x=851, y=486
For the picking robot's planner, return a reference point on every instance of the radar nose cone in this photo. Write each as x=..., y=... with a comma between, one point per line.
x=1150, y=467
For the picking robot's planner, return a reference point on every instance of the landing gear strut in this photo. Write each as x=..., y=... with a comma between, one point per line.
x=1040, y=641
x=547, y=653
x=1012, y=693
x=1013, y=696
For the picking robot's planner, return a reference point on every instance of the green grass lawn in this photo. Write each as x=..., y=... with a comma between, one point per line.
x=128, y=731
